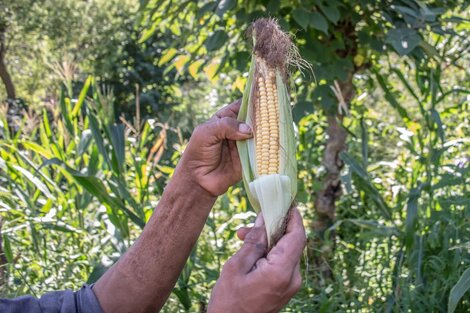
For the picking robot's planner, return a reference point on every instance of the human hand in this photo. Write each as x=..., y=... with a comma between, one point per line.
x=251, y=282
x=211, y=158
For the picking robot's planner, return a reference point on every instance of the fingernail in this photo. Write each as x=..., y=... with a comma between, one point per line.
x=244, y=128
x=259, y=220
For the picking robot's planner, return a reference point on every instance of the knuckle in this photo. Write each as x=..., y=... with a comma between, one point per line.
x=220, y=125
x=198, y=130
x=222, y=122
x=255, y=235
x=227, y=122
x=255, y=239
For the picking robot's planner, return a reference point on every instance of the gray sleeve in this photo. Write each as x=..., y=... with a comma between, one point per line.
x=67, y=301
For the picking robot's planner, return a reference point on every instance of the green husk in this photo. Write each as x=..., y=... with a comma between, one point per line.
x=272, y=194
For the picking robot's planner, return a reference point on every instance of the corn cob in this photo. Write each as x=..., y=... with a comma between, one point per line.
x=267, y=125
x=268, y=160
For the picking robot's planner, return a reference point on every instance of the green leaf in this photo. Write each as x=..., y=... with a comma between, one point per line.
x=65, y=108
x=33, y=179
x=301, y=109
x=216, y=40
x=82, y=96
x=448, y=180
x=331, y=12
x=224, y=6
x=364, y=143
x=437, y=119
x=365, y=183
x=301, y=16
x=459, y=289
x=390, y=97
x=37, y=149
x=403, y=39
x=406, y=10
x=96, y=132
x=85, y=141
x=96, y=187
x=7, y=248
x=210, y=6
x=115, y=133
x=354, y=165
x=273, y=6
x=97, y=272
x=183, y=296
x=405, y=83
x=411, y=216
x=167, y=56
x=325, y=97
x=317, y=21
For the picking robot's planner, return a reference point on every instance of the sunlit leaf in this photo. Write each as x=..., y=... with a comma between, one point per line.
x=81, y=97
x=194, y=68
x=211, y=70
x=167, y=56
x=459, y=289
x=181, y=61
x=224, y=6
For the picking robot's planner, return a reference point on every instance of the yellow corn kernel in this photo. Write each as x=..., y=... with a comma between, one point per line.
x=267, y=125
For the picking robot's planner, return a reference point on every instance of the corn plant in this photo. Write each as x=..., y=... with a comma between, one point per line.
x=74, y=169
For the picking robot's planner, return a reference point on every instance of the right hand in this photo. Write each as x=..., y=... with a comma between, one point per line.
x=252, y=282
x=211, y=158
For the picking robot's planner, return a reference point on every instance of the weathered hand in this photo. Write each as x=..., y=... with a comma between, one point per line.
x=251, y=282
x=211, y=158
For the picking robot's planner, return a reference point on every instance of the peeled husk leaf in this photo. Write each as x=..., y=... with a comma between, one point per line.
x=272, y=194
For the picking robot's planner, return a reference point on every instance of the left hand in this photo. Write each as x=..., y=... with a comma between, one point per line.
x=211, y=157
x=252, y=282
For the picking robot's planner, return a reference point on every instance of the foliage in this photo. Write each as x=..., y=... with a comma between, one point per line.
x=67, y=170
x=52, y=40
x=414, y=41
x=336, y=37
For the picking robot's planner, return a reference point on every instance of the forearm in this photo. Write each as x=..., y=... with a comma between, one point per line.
x=143, y=278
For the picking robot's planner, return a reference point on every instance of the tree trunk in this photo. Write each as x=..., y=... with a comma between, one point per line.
x=322, y=247
x=4, y=75
x=6, y=79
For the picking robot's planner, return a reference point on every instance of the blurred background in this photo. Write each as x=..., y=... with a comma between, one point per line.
x=99, y=98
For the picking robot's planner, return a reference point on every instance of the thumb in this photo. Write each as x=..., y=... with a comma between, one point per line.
x=242, y=232
x=228, y=128
x=254, y=247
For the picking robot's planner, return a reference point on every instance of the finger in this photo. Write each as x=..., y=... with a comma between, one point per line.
x=254, y=247
x=296, y=281
x=230, y=110
x=225, y=128
x=289, y=248
x=242, y=232
x=294, y=286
